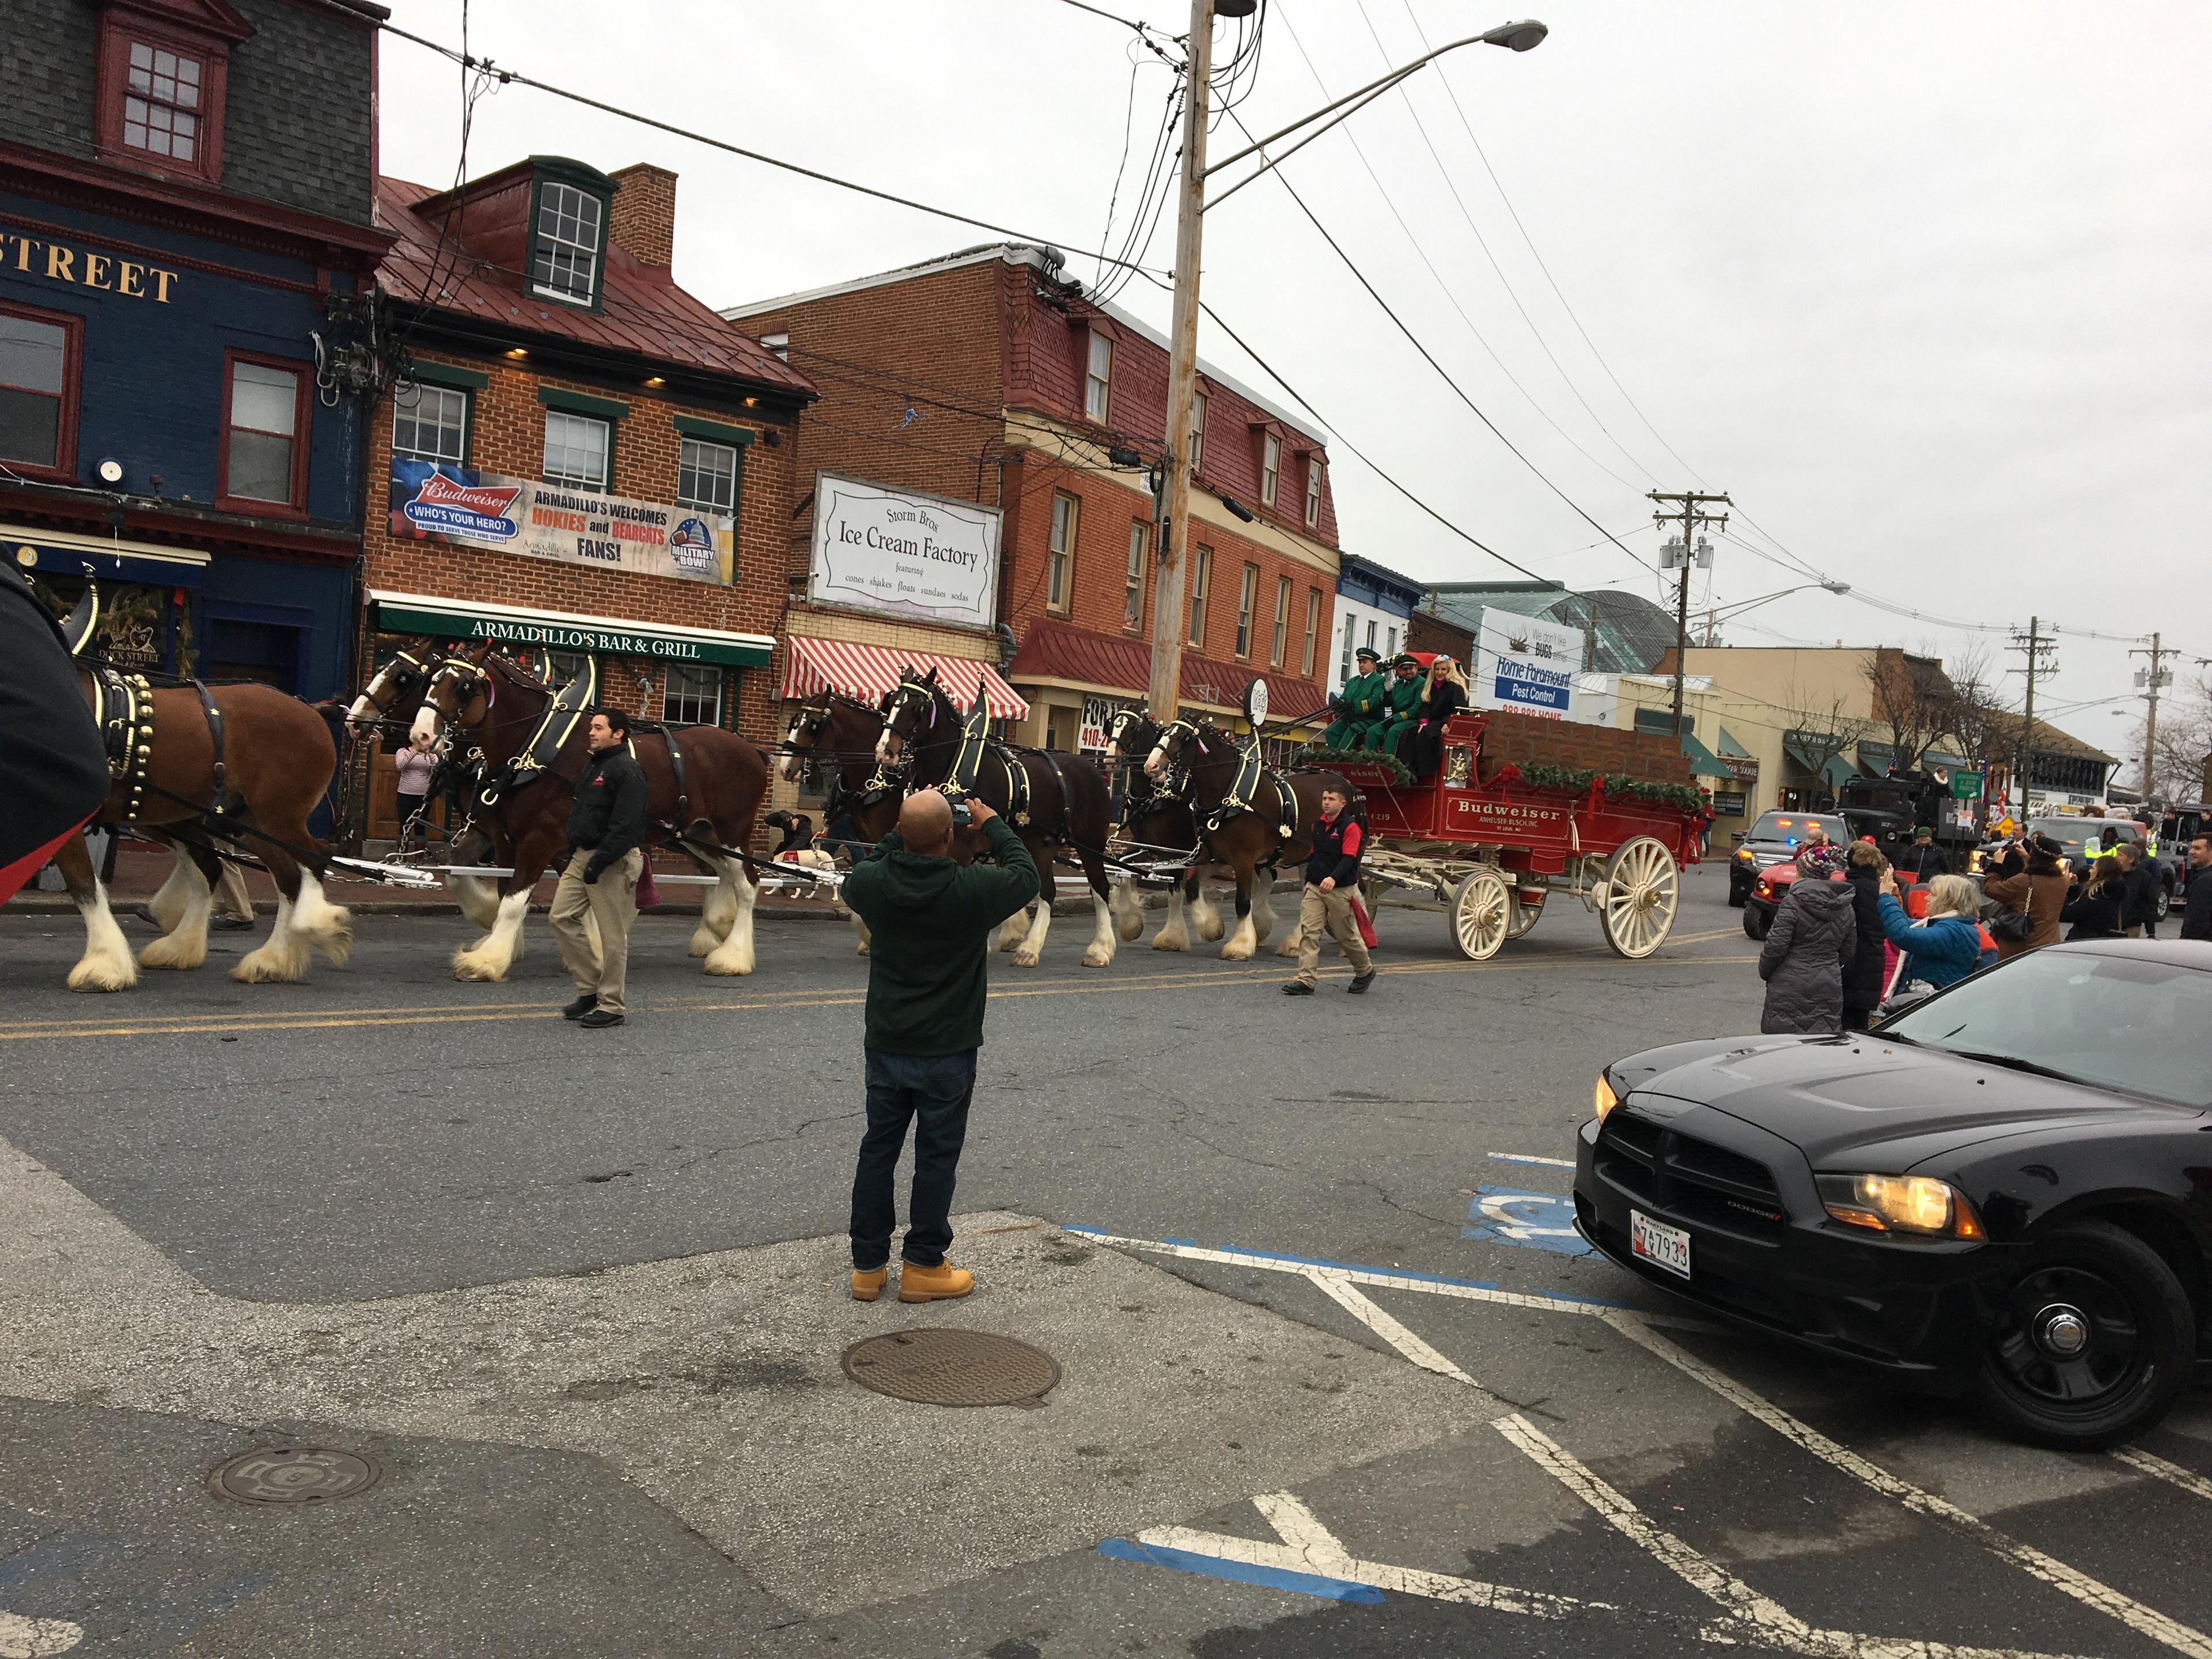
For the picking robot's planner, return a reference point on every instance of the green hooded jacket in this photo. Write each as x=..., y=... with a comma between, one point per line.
x=929, y=934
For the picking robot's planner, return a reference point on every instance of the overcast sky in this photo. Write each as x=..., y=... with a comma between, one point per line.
x=1924, y=287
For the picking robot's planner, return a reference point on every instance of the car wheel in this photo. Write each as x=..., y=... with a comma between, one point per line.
x=1736, y=893
x=2094, y=1340
x=2164, y=902
x=1756, y=922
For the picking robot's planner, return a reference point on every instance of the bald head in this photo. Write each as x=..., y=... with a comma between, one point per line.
x=925, y=821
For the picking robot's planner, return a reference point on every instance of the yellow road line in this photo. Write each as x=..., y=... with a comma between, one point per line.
x=768, y=1002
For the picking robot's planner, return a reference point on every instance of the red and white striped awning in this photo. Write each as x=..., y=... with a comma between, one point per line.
x=867, y=671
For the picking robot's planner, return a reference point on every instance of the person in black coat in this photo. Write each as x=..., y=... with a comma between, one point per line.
x=1445, y=696
x=2196, y=911
x=1864, y=974
x=1924, y=859
x=2139, y=911
x=2096, y=909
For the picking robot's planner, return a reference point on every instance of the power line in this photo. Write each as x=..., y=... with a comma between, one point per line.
x=507, y=76
x=1499, y=185
x=1443, y=373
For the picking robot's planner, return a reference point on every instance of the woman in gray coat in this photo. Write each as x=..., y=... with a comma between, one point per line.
x=1814, y=939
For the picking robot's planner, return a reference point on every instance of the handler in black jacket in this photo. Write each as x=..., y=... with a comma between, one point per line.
x=600, y=872
x=53, y=770
x=2196, y=915
x=1331, y=872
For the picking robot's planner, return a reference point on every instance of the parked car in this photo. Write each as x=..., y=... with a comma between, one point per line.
x=2000, y=1189
x=1775, y=839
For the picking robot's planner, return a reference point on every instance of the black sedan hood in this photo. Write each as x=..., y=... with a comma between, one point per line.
x=1845, y=1100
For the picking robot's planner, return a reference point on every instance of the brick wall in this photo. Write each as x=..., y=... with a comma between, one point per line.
x=643, y=220
x=507, y=436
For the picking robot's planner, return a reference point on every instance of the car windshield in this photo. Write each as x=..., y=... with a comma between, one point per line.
x=2075, y=831
x=2121, y=1022
x=1789, y=828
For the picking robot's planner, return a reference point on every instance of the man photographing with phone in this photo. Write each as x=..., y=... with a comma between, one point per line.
x=929, y=921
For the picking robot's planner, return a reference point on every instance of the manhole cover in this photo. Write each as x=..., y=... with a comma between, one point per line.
x=292, y=1474
x=941, y=1366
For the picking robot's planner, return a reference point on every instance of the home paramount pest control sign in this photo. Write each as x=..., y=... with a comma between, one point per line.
x=560, y=521
x=902, y=552
x=1525, y=663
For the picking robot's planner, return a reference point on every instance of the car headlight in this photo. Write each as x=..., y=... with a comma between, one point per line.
x=1744, y=856
x=1765, y=889
x=1904, y=1204
x=1604, y=1099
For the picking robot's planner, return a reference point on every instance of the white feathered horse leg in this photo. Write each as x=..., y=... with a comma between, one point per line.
x=184, y=939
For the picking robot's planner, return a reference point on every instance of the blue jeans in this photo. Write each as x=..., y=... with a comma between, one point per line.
x=931, y=1092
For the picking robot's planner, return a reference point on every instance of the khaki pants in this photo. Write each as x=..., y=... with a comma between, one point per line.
x=611, y=902
x=231, y=898
x=1333, y=909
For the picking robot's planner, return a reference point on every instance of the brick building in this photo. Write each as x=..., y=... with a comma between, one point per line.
x=987, y=377
x=185, y=248
x=580, y=459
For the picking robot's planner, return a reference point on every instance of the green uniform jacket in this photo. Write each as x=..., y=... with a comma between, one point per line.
x=1406, y=697
x=1361, y=700
x=929, y=928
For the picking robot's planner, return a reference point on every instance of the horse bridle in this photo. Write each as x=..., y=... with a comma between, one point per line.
x=910, y=695
x=416, y=665
x=470, y=678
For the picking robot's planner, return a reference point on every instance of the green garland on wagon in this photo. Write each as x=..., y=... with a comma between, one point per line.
x=1576, y=780
x=1330, y=759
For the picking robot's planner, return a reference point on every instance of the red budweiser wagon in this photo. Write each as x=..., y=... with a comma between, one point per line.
x=1521, y=808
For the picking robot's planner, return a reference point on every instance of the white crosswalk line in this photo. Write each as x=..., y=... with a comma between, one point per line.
x=2172, y=1473
x=2070, y=1580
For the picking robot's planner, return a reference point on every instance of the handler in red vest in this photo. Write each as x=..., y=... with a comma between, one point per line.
x=1331, y=873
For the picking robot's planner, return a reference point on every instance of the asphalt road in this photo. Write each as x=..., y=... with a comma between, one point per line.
x=577, y=1297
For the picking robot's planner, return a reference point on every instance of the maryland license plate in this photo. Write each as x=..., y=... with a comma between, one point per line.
x=1656, y=1243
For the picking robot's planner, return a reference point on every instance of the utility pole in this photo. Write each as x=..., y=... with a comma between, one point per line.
x=2153, y=678
x=1690, y=517
x=1164, y=696
x=2034, y=643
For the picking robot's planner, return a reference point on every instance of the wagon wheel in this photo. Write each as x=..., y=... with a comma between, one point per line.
x=1482, y=910
x=1525, y=916
x=1643, y=890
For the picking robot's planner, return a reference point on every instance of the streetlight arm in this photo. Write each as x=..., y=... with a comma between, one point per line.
x=1268, y=162
x=1510, y=35
x=1728, y=611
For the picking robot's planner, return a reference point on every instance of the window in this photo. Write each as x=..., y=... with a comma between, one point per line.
x=1343, y=668
x=162, y=110
x=1247, y=597
x=1096, y=377
x=1373, y=625
x=1271, y=468
x=692, y=696
x=1282, y=620
x=430, y=423
x=1060, y=555
x=1197, y=431
x=1132, y=598
x=1313, y=491
x=1313, y=633
x=576, y=449
x=37, y=415
x=1201, y=577
x=562, y=666
x=565, y=265
x=707, y=477
x=262, y=456
x=1390, y=645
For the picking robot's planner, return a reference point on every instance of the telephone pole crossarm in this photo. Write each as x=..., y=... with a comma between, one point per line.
x=1691, y=515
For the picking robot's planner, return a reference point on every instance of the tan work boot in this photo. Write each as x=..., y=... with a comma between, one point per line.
x=940, y=1283
x=867, y=1287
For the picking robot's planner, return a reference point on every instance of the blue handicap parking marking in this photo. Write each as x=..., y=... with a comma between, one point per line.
x=1542, y=1221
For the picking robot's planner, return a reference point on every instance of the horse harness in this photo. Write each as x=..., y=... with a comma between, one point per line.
x=123, y=710
x=1244, y=786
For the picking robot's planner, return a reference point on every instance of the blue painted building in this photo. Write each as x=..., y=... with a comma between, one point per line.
x=1374, y=607
x=186, y=245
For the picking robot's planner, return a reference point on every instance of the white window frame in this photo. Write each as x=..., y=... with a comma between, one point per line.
x=1059, y=553
x=1098, y=378
x=1202, y=582
x=588, y=215
x=1271, y=468
x=689, y=453
x=677, y=707
x=1313, y=631
x=1132, y=600
x=1313, y=491
x=1282, y=641
x=603, y=483
x=1197, y=431
x=443, y=399
x=1248, y=603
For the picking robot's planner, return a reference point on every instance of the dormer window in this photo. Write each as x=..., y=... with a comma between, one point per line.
x=1271, y=467
x=565, y=250
x=1313, y=492
x=1098, y=375
x=161, y=112
x=160, y=86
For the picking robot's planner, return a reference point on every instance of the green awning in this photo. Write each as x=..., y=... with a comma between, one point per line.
x=1805, y=754
x=1942, y=758
x=1876, y=758
x=1837, y=772
x=557, y=630
x=1731, y=748
x=1704, y=762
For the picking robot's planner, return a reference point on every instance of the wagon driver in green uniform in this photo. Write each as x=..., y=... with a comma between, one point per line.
x=1406, y=694
x=1360, y=705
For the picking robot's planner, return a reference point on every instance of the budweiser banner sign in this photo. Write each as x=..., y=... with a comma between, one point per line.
x=439, y=502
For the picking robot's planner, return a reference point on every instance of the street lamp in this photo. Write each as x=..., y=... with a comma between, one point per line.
x=1715, y=616
x=1165, y=693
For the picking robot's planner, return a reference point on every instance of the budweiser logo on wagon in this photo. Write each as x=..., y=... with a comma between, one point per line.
x=1479, y=813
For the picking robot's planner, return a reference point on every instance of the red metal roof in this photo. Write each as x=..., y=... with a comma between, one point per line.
x=644, y=312
x=867, y=671
x=1055, y=650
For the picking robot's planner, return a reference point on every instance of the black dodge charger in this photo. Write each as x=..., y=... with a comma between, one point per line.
x=2006, y=1187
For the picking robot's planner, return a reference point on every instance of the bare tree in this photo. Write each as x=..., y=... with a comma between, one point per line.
x=1977, y=716
x=2185, y=741
x=1911, y=698
x=1821, y=728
